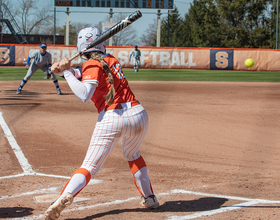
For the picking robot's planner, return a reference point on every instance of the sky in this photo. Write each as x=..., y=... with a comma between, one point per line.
x=99, y=14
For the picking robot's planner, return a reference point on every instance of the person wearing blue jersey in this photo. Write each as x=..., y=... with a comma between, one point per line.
x=137, y=54
x=39, y=59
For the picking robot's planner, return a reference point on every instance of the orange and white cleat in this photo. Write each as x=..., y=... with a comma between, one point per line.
x=150, y=202
x=53, y=212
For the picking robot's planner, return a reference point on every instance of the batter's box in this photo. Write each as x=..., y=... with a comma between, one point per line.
x=50, y=198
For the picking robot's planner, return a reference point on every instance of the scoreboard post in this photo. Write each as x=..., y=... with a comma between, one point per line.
x=141, y=4
x=118, y=4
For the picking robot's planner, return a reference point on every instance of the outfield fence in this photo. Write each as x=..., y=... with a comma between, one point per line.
x=158, y=58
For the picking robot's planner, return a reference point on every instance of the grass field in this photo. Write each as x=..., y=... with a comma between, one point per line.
x=11, y=74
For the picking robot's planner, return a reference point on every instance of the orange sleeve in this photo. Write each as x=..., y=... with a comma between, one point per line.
x=91, y=70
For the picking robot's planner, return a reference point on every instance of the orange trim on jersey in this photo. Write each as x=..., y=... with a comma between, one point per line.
x=93, y=70
x=119, y=106
x=83, y=171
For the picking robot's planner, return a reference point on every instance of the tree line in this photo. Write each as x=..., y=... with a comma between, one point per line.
x=221, y=23
x=32, y=18
x=208, y=23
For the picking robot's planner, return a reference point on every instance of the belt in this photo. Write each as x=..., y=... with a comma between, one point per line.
x=119, y=106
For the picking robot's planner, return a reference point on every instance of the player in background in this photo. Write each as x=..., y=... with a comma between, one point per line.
x=137, y=54
x=121, y=117
x=39, y=59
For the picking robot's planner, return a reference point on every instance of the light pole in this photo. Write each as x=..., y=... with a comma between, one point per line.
x=168, y=29
x=276, y=46
x=111, y=21
x=158, y=28
x=54, y=25
x=67, y=26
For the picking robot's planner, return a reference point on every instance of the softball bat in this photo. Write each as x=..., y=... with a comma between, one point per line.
x=111, y=32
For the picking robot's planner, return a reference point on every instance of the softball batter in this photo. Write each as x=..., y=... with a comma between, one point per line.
x=121, y=116
x=40, y=59
x=137, y=54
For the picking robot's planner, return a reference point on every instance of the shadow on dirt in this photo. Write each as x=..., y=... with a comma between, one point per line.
x=202, y=204
x=15, y=212
x=22, y=104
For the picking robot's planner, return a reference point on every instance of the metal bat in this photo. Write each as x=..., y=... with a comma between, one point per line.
x=111, y=32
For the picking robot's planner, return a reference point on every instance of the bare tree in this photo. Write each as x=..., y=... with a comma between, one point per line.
x=31, y=18
x=6, y=14
x=150, y=35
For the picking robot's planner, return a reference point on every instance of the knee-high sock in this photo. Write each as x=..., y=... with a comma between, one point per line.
x=143, y=181
x=23, y=82
x=56, y=84
x=139, y=170
x=77, y=182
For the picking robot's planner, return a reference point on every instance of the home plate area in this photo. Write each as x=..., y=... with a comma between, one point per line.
x=50, y=198
x=212, y=152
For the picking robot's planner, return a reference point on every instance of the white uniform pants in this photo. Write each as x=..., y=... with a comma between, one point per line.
x=137, y=62
x=129, y=124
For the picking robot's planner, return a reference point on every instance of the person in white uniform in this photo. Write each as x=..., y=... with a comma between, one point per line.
x=137, y=54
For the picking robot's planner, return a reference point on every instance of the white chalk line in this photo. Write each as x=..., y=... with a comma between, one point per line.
x=40, y=191
x=223, y=196
x=27, y=170
x=248, y=202
x=26, y=167
x=213, y=212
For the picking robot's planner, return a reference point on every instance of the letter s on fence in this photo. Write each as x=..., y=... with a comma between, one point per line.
x=4, y=55
x=123, y=57
x=221, y=59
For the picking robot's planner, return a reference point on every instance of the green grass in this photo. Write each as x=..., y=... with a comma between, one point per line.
x=202, y=75
x=17, y=73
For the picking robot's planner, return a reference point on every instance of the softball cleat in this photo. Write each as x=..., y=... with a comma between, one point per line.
x=53, y=212
x=150, y=202
x=59, y=92
x=18, y=91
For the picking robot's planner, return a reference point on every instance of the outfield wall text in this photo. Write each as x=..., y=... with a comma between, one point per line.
x=157, y=58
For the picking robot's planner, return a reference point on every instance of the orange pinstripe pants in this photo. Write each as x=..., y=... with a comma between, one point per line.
x=129, y=124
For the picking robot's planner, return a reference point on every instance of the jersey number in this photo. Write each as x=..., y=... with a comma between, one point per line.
x=118, y=70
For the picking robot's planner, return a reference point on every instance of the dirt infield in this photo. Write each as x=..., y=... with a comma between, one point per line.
x=212, y=150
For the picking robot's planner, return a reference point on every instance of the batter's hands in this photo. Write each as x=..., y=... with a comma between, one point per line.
x=64, y=64
x=55, y=68
x=59, y=67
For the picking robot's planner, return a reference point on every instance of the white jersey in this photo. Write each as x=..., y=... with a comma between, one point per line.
x=41, y=60
x=136, y=53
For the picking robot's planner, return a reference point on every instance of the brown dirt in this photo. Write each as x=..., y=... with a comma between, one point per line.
x=208, y=137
